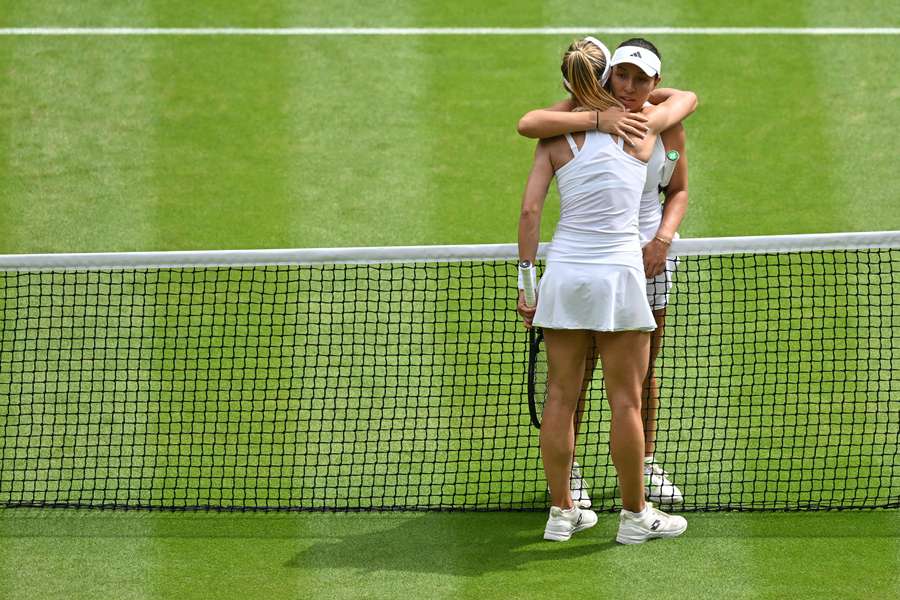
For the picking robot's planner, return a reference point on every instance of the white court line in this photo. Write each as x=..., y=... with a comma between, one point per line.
x=425, y=31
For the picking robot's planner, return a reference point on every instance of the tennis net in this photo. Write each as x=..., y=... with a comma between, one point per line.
x=395, y=378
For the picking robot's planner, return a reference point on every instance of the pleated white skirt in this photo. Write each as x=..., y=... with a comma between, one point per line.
x=597, y=297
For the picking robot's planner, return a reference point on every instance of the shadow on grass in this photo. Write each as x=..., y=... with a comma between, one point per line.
x=441, y=543
x=465, y=544
x=453, y=544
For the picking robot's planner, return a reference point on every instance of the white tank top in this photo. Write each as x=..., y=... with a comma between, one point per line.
x=651, y=210
x=600, y=196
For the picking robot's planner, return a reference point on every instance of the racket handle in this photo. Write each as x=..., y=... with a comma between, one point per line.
x=672, y=157
x=528, y=282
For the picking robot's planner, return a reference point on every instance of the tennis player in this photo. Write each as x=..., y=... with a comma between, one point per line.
x=593, y=292
x=636, y=68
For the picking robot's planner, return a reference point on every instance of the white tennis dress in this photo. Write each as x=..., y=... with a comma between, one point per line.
x=594, y=277
x=649, y=219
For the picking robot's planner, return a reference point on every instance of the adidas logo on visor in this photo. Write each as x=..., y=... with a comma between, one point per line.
x=645, y=59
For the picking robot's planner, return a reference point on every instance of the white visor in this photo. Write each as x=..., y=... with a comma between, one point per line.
x=643, y=58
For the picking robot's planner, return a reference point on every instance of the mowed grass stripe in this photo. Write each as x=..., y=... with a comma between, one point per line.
x=362, y=134
x=222, y=143
x=860, y=166
x=71, y=161
x=79, y=119
x=222, y=164
x=8, y=107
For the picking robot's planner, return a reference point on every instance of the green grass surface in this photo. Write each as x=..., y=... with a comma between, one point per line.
x=434, y=13
x=198, y=143
x=141, y=555
x=118, y=144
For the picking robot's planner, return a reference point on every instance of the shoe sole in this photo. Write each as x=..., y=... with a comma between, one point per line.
x=624, y=539
x=557, y=536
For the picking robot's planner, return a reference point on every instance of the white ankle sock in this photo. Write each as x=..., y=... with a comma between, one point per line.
x=638, y=515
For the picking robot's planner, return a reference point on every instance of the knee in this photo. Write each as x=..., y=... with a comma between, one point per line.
x=626, y=406
x=625, y=399
x=564, y=394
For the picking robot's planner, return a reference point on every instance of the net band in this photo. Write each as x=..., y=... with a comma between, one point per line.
x=399, y=254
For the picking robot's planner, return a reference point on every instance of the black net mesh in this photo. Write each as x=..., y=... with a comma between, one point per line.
x=402, y=386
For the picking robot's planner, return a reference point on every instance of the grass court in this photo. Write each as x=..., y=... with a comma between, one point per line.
x=141, y=143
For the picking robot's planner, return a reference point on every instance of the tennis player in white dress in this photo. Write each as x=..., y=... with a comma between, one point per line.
x=634, y=81
x=594, y=292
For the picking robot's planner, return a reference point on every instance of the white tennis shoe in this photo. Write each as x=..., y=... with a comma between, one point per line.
x=651, y=523
x=658, y=488
x=579, y=488
x=563, y=523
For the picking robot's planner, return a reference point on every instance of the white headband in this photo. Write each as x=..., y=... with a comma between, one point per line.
x=607, y=67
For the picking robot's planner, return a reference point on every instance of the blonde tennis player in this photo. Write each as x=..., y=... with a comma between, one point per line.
x=635, y=75
x=593, y=292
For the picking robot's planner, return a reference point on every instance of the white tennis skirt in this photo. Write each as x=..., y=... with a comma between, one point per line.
x=594, y=297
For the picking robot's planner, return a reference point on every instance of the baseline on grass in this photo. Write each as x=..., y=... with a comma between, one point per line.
x=385, y=378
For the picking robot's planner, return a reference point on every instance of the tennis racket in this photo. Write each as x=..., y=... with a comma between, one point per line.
x=537, y=375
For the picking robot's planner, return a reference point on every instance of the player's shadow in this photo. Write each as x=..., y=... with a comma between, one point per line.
x=451, y=544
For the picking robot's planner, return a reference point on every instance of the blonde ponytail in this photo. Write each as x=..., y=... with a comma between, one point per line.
x=582, y=68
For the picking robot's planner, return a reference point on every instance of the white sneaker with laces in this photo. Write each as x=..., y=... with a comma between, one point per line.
x=658, y=488
x=578, y=487
x=651, y=523
x=563, y=523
